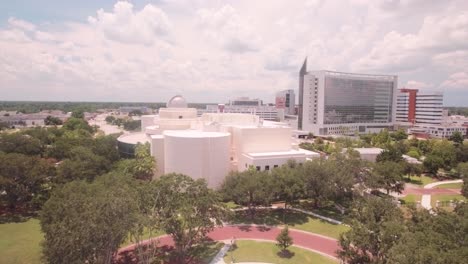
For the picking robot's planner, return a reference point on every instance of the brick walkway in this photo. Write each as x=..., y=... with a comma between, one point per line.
x=323, y=245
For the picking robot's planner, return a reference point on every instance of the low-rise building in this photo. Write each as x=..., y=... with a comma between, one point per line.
x=212, y=145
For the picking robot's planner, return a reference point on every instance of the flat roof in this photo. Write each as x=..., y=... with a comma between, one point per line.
x=282, y=153
x=369, y=150
x=194, y=133
x=133, y=138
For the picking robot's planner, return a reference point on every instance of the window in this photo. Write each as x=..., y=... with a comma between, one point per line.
x=258, y=168
x=180, y=117
x=246, y=165
x=275, y=166
x=267, y=167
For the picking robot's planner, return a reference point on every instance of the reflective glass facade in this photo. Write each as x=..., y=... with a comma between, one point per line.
x=348, y=100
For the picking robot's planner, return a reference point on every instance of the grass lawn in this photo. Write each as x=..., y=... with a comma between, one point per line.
x=450, y=186
x=293, y=219
x=445, y=197
x=255, y=251
x=420, y=180
x=411, y=199
x=20, y=242
x=232, y=205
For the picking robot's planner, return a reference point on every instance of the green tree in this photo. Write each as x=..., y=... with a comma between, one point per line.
x=20, y=143
x=462, y=169
x=78, y=114
x=318, y=179
x=132, y=125
x=456, y=137
x=283, y=240
x=432, y=163
x=446, y=151
x=387, y=175
x=63, y=145
x=87, y=222
x=188, y=210
x=398, y=135
x=390, y=154
x=375, y=227
x=106, y=146
x=142, y=166
x=77, y=123
x=382, y=139
x=110, y=119
x=433, y=238
x=52, y=121
x=289, y=185
x=414, y=153
x=23, y=180
x=83, y=164
x=250, y=188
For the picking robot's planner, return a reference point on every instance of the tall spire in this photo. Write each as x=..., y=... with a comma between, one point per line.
x=302, y=72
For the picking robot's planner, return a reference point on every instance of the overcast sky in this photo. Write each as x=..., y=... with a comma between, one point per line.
x=212, y=51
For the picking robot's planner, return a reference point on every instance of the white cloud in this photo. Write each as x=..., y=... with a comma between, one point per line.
x=125, y=25
x=225, y=26
x=417, y=85
x=458, y=80
x=21, y=24
x=212, y=51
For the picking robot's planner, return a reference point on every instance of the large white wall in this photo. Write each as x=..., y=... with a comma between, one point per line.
x=198, y=154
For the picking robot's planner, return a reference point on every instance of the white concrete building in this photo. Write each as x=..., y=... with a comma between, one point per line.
x=337, y=103
x=265, y=112
x=214, y=144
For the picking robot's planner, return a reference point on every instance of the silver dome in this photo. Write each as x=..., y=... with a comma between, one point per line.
x=177, y=102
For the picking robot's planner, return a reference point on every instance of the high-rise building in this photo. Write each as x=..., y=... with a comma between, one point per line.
x=337, y=103
x=419, y=108
x=286, y=100
x=423, y=114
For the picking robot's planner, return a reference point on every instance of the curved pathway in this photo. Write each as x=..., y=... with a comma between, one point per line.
x=320, y=244
x=429, y=190
x=426, y=198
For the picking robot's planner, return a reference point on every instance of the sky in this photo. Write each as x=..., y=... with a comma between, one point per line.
x=214, y=51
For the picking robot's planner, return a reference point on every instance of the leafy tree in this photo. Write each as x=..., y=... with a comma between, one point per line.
x=188, y=210
x=106, y=146
x=375, y=228
x=398, y=135
x=414, y=153
x=23, y=179
x=83, y=164
x=390, y=154
x=87, y=222
x=250, y=188
x=77, y=114
x=284, y=240
x=76, y=124
x=132, y=125
x=19, y=143
x=462, y=152
x=63, y=145
x=446, y=151
x=462, y=169
x=433, y=238
x=456, y=137
x=432, y=163
x=52, y=121
x=288, y=182
x=381, y=139
x=142, y=167
x=387, y=175
x=110, y=119
x=318, y=179
x=425, y=146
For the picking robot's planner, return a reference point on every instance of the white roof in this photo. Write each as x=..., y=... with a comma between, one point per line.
x=291, y=152
x=134, y=138
x=194, y=133
x=369, y=150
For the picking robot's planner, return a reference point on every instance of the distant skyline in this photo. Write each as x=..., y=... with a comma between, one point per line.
x=213, y=51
